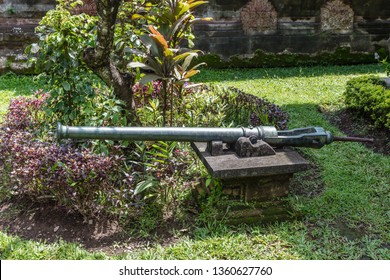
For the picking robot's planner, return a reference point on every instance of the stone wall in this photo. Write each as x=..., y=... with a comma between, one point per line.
x=243, y=27
x=18, y=19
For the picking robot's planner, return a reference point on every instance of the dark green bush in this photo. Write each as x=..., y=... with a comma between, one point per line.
x=368, y=96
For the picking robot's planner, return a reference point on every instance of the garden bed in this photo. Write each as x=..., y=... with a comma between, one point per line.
x=343, y=197
x=356, y=126
x=50, y=223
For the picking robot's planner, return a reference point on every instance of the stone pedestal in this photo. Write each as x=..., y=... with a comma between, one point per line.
x=256, y=187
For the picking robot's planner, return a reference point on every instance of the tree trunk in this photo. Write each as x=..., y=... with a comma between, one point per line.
x=99, y=58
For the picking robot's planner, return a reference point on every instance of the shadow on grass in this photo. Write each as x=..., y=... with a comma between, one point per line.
x=214, y=75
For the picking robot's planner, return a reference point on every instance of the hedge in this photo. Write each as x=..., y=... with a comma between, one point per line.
x=369, y=96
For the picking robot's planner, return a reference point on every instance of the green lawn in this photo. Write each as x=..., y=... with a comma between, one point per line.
x=350, y=219
x=12, y=85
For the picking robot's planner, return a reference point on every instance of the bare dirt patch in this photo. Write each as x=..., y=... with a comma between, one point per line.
x=50, y=223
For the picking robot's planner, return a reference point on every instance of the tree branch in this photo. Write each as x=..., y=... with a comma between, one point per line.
x=99, y=58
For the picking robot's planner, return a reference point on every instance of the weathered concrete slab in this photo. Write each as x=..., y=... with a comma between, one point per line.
x=229, y=165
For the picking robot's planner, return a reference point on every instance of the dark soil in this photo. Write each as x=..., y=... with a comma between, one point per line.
x=354, y=125
x=48, y=222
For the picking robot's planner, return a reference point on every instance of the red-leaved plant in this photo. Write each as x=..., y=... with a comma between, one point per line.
x=76, y=178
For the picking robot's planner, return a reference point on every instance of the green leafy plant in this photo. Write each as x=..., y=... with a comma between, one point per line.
x=385, y=63
x=155, y=186
x=58, y=55
x=11, y=9
x=163, y=54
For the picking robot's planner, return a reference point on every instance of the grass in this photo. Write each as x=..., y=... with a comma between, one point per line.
x=13, y=247
x=350, y=219
x=12, y=85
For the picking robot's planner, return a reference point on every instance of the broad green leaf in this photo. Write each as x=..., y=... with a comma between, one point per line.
x=137, y=16
x=181, y=8
x=181, y=56
x=134, y=51
x=178, y=25
x=34, y=48
x=150, y=44
x=149, y=78
x=154, y=105
x=188, y=60
x=194, y=4
x=168, y=52
x=66, y=85
x=136, y=64
x=198, y=65
x=145, y=185
x=161, y=155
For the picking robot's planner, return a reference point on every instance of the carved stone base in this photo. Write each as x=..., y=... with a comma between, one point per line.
x=257, y=200
x=262, y=188
x=256, y=188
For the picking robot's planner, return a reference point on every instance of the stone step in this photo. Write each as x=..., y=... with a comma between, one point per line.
x=17, y=25
x=379, y=27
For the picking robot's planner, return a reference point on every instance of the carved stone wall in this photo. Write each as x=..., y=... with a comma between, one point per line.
x=337, y=17
x=242, y=28
x=259, y=16
x=25, y=8
x=18, y=19
x=89, y=7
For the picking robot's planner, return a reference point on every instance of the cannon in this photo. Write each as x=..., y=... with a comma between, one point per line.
x=246, y=142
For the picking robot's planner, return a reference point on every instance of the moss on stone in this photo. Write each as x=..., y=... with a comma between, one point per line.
x=340, y=56
x=256, y=212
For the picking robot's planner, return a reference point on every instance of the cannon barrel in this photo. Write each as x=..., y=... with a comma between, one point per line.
x=313, y=137
x=181, y=134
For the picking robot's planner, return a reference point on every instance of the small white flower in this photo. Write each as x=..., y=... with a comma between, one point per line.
x=377, y=57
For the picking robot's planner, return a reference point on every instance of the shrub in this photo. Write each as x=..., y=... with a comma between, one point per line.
x=211, y=106
x=368, y=96
x=246, y=109
x=58, y=56
x=75, y=178
x=23, y=113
